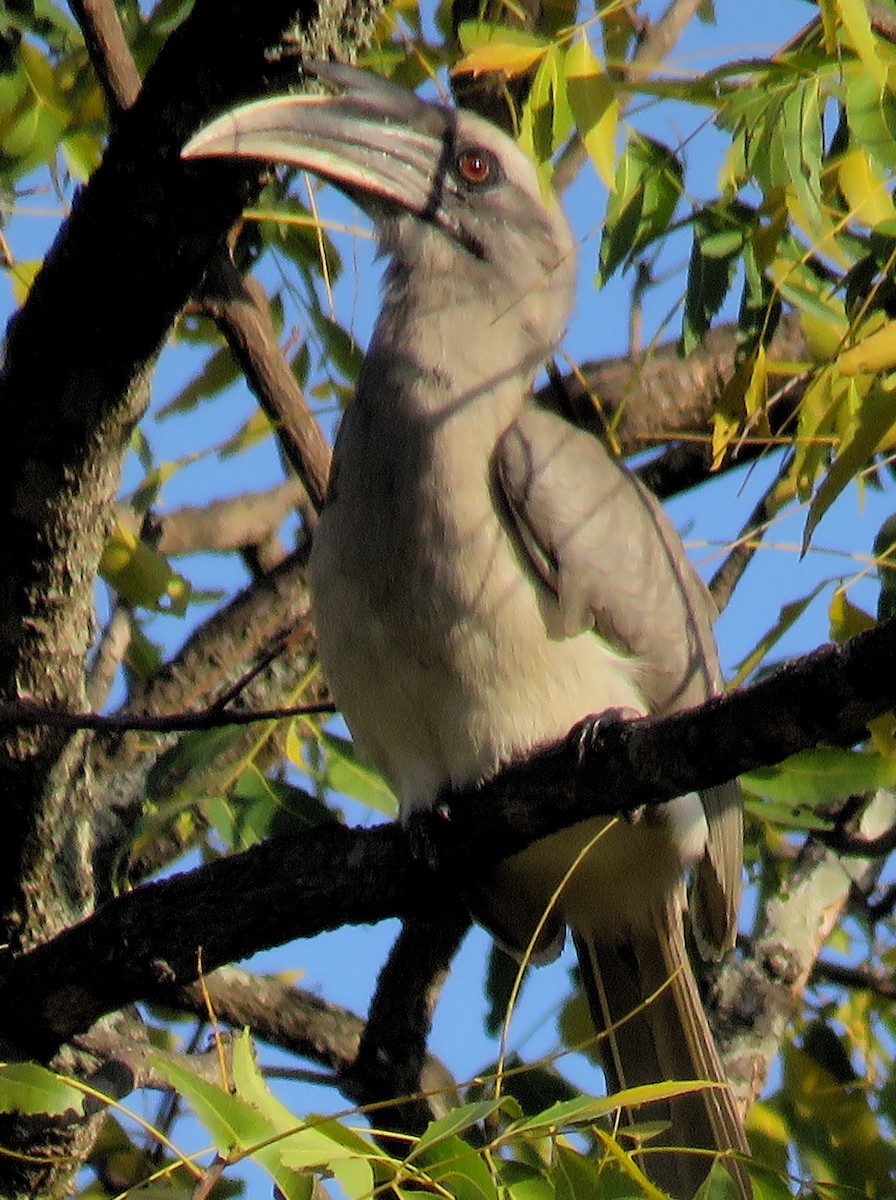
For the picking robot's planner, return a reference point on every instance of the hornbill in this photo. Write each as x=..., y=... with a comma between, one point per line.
x=485, y=575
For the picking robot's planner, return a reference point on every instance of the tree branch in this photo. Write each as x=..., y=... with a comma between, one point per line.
x=147, y=942
x=240, y=309
x=392, y=1060
x=233, y=523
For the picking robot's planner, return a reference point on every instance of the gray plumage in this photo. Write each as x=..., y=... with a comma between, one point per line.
x=485, y=574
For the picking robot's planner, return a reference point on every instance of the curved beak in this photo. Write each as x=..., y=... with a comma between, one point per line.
x=374, y=138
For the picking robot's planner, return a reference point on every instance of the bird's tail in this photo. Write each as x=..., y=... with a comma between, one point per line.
x=643, y=996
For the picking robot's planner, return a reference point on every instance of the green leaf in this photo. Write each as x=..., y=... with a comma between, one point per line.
x=343, y=351
x=500, y=980
x=82, y=154
x=816, y=778
x=871, y=112
x=649, y=182
x=348, y=775
x=453, y=1124
x=834, y=1126
x=219, y=372
x=524, y=1182
x=588, y=1109
x=474, y=35
x=252, y=1121
x=577, y=1176
x=454, y=1165
x=539, y=120
x=718, y=238
x=800, y=130
x=258, y=807
x=141, y=574
x=31, y=1089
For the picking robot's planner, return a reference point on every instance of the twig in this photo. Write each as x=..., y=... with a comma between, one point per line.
x=855, y=977
x=27, y=715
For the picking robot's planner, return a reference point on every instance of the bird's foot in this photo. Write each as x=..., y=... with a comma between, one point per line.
x=588, y=735
x=419, y=828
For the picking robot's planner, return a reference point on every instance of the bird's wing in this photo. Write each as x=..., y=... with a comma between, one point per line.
x=607, y=551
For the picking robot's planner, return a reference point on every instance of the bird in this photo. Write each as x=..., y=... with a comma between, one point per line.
x=485, y=574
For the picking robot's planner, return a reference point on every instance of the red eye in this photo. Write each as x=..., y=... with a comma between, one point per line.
x=475, y=166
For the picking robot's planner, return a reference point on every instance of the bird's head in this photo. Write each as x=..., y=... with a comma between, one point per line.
x=447, y=190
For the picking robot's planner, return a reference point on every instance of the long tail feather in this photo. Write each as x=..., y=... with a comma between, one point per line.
x=659, y=1039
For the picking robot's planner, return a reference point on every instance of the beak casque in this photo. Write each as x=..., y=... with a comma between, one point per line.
x=373, y=138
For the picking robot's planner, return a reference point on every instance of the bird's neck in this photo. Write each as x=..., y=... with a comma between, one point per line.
x=450, y=354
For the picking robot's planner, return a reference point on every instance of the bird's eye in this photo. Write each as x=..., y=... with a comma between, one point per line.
x=477, y=167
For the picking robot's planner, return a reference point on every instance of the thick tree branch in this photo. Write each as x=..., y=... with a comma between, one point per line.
x=134, y=248
x=392, y=1059
x=147, y=942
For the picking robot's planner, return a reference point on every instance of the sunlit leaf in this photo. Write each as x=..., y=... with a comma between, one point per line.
x=497, y=48
x=871, y=110
x=456, y=1166
x=815, y=778
x=592, y=99
x=141, y=574
x=349, y=776
x=458, y=1121
x=847, y=619
x=864, y=186
x=875, y=416
x=21, y=277
x=30, y=1089
x=648, y=186
x=854, y=15
x=251, y=1120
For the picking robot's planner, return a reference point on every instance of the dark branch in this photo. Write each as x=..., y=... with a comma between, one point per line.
x=147, y=942
x=26, y=714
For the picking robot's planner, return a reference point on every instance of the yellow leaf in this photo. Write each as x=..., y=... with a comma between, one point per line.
x=724, y=430
x=864, y=186
x=595, y=108
x=883, y=735
x=847, y=619
x=509, y=58
x=824, y=336
x=744, y=395
x=876, y=352
x=756, y=394
x=21, y=277
x=140, y=573
x=854, y=15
